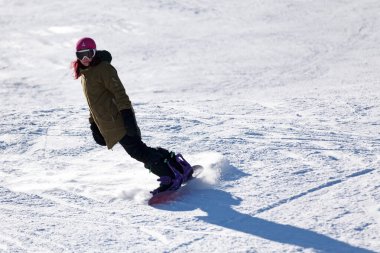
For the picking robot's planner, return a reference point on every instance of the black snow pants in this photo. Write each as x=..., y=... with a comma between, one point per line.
x=153, y=158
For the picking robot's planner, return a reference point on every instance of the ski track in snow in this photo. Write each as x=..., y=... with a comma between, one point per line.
x=278, y=100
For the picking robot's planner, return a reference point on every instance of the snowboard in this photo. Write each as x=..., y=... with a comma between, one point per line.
x=167, y=196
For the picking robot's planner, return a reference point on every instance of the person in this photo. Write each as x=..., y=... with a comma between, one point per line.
x=112, y=118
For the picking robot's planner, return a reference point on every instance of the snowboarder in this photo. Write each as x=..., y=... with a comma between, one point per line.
x=112, y=118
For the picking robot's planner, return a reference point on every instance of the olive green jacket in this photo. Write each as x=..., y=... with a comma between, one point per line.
x=106, y=97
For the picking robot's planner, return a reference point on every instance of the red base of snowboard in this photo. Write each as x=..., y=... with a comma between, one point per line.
x=167, y=196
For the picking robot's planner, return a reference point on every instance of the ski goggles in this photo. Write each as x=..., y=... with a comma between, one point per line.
x=89, y=53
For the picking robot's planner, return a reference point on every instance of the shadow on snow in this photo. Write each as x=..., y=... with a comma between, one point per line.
x=219, y=204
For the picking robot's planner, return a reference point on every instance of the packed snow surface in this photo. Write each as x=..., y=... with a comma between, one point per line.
x=278, y=100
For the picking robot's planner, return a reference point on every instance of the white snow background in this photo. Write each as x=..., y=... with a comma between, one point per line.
x=278, y=100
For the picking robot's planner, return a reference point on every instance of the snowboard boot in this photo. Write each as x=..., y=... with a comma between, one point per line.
x=177, y=162
x=170, y=179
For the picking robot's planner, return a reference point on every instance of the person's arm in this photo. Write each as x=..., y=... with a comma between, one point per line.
x=114, y=85
x=96, y=134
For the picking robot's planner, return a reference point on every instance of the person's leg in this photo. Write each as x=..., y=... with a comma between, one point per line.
x=153, y=159
x=172, y=169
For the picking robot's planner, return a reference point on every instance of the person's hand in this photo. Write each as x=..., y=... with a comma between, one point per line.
x=98, y=137
x=130, y=122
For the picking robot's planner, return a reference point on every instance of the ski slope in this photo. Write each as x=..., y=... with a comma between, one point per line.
x=278, y=100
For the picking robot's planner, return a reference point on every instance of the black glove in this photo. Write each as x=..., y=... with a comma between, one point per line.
x=98, y=137
x=130, y=122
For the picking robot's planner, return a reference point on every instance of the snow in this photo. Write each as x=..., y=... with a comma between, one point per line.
x=278, y=100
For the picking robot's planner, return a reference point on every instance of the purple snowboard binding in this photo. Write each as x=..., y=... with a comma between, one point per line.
x=169, y=184
x=172, y=184
x=186, y=167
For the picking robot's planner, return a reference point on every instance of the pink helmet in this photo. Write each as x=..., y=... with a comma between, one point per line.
x=85, y=43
